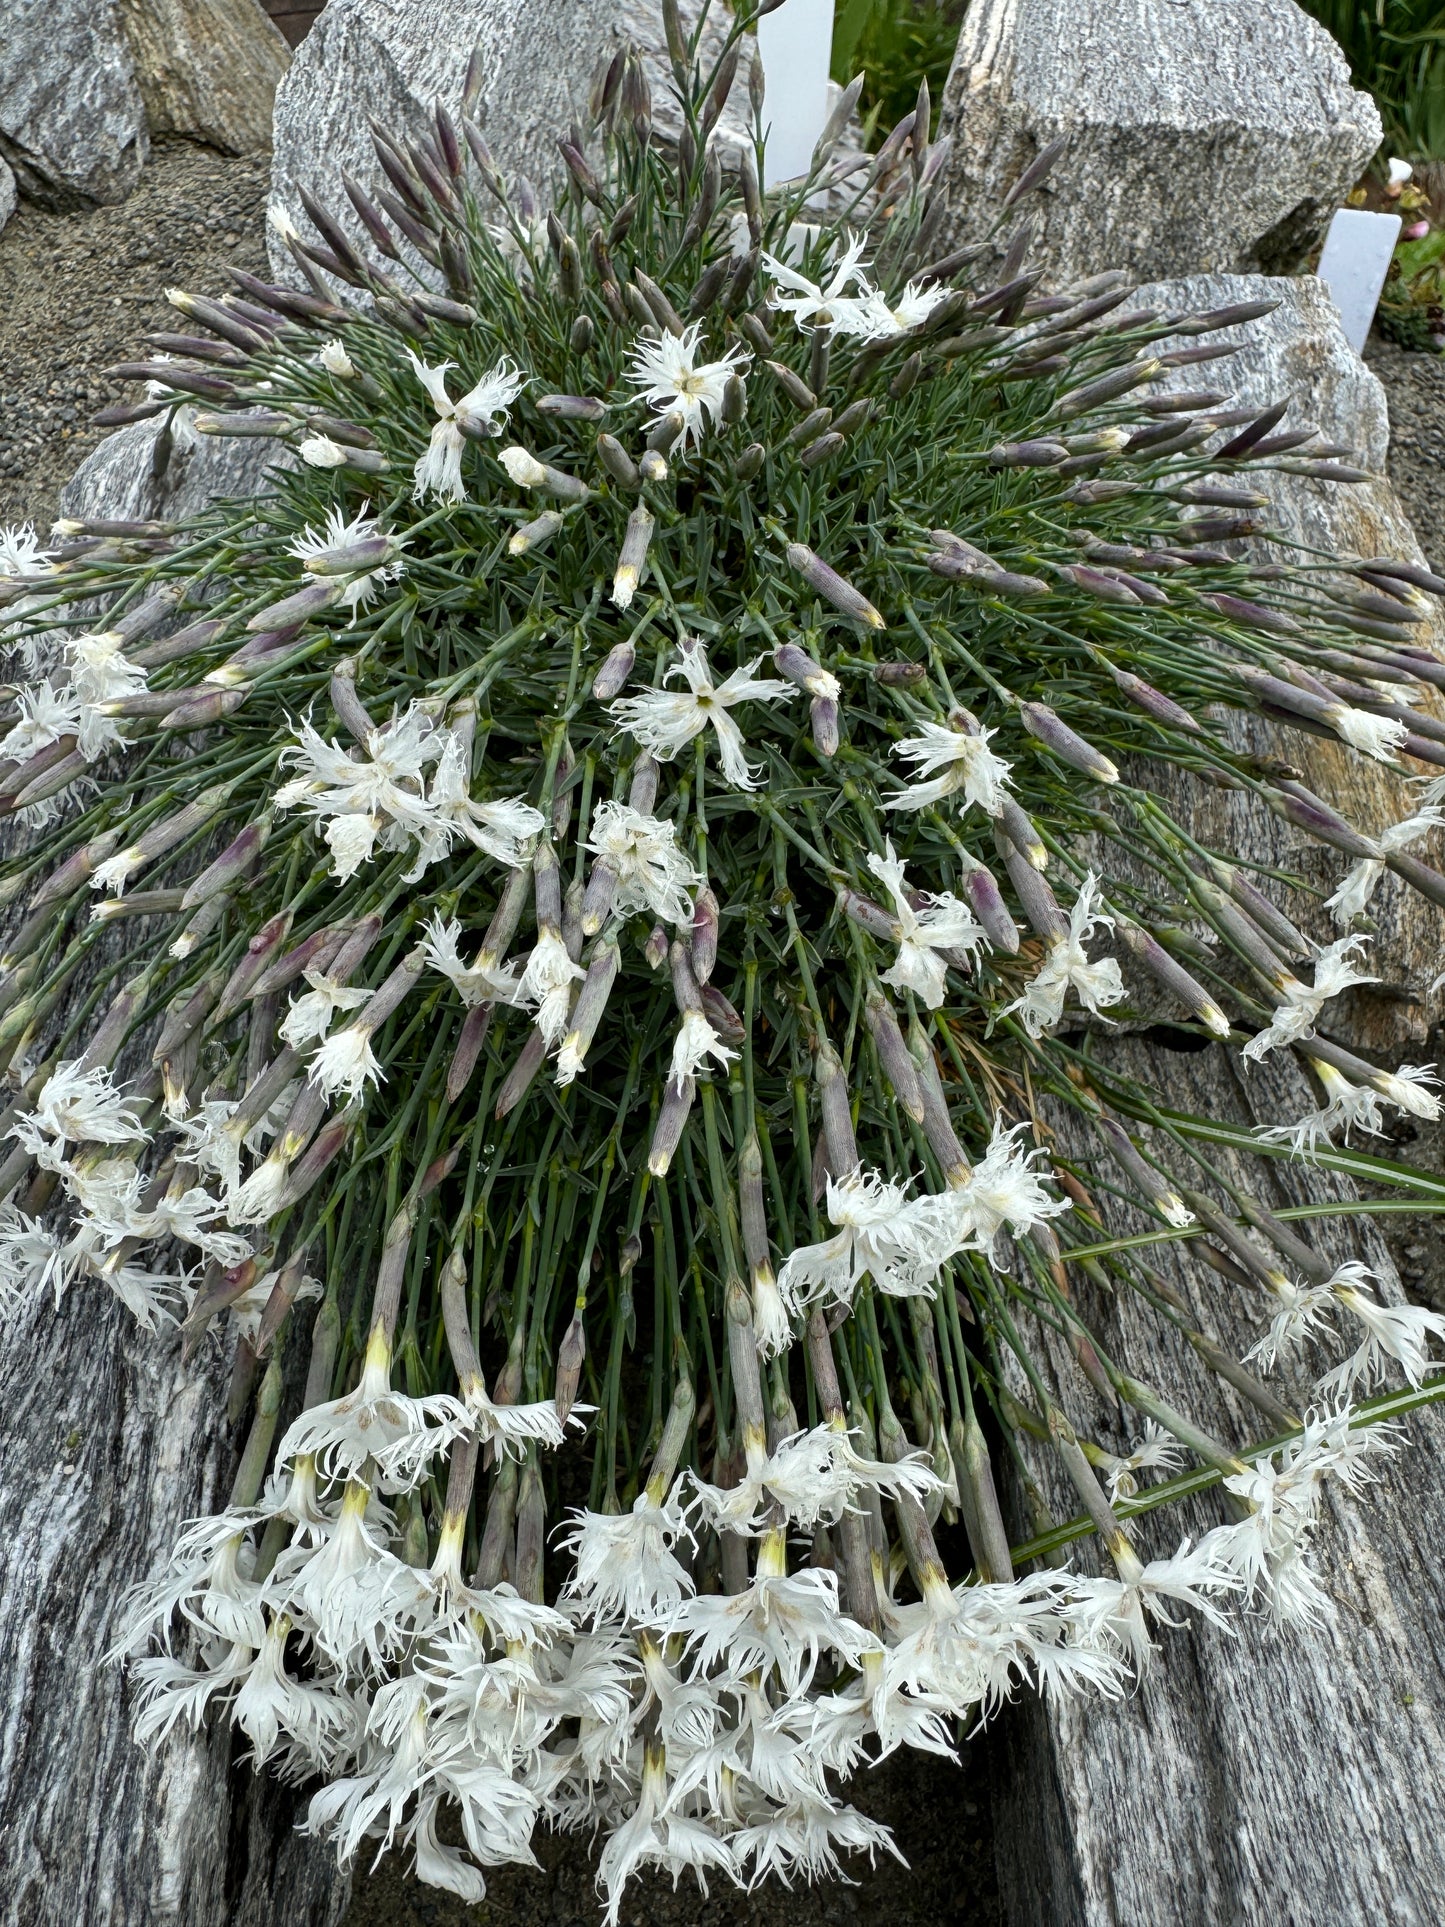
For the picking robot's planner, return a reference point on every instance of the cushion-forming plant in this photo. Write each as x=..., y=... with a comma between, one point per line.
x=624, y=845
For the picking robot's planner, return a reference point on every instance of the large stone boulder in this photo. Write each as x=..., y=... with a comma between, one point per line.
x=72, y=118
x=375, y=59
x=207, y=69
x=109, y=1441
x=1203, y=134
x=7, y=194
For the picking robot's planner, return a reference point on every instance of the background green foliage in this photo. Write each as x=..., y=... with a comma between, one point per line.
x=1396, y=51
x=896, y=43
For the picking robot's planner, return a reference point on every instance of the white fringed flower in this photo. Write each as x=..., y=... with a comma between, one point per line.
x=658, y=1834
x=77, y=1105
x=1398, y=1332
x=944, y=923
x=1352, y=898
x=813, y=1476
x=1154, y=1451
x=1067, y=967
x=879, y=319
x=45, y=715
x=666, y=373
x=1296, y=1016
x=815, y=304
x=401, y=1434
x=346, y=1062
x=1299, y=1317
x=969, y=767
x=309, y=1016
x=509, y=1427
x=335, y=360
x=1371, y=735
x=31, y=1259
x=1002, y=1189
x=805, y=1838
x=901, y=1243
x=99, y=673
x=480, y=412
x=477, y=983
x=338, y=533
x=780, y=1620
x=546, y=986
x=695, y=1042
x=663, y=721
x=319, y=451
x=642, y=853
x=1347, y=1106
x=315, y=1719
x=625, y=1567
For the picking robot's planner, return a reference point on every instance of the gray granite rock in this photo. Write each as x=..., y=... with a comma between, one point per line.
x=207, y=69
x=146, y=472
x=7, y=194
x=72, y=120
x=394, y=61
x=1203, y=134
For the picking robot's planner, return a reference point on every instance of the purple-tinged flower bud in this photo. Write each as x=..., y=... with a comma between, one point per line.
x=642, y=791
x=616, y=668
x=898, y=1066
x=204, y=708
x=1415, y=573
x=293, y=610
x=1230, y=317
x=1181, y=401
x=823, y=714
x=1289, y=941
x=666, y=432
x=982, y=892
x=724, y=1019
x=1240, y=932
x=937, y=1125
x=672, y=1117
x=323, y=1151
x=831, y=586
x=1039, y=454
x=750, y=462
x=833, y=1101
x=255, y=424
x=1039, y=904
x=1153, y=701
x=572, y=408
x=1253, y=615
x=571, y=1356
x=823, y=450
x=519, y=1079
x=632, y=560
x=353, y=558
x=703, y=945
x=140, y=903
x=1216, y=495
x=900, y=675
x=1297, y=805
x=76, y=871
x=587, y=1012
x=469, y=1048
x=869, y=916
x=535, y=534
x=1018, y=828
x=656, y=947
x=801, y=670
x=185, y=642
x=229, y=867
x=1054, y=733
x=1092, y=494
x=1174, y=977
x=1419, y=876
x=598, y=896
x=793, y=386
x=617, y=462
x=55, y=779
x=1093, y=394
x=1096, y=582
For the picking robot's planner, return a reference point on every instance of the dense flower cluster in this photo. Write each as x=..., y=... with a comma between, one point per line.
x=614, y=846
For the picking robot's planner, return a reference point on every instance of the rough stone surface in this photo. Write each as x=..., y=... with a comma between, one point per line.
x=1300, y=354
x=7, y=193
x=108, y=1443
x=207, y=69
x=1203, y=134
x=1270, y=1779
x=1213, y=1793
x=145, y=472
x=72, y=119
x=395, y=61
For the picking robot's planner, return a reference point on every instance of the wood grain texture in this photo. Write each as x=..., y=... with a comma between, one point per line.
x=1214, y=134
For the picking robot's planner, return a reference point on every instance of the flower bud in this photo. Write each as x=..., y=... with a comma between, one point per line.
x=653, y=466
x=632, y=559
x=898, y=1066
x=982, y=892
x=617, y=462
x=666, y=432
x=1038, y=454
x=677, y=1099
x=535, y=534
x=703, y=945
x=1153, y=701
x=724, y=1019
x=831, y=586
x=571, y=1356
x=656, y=947
x=1040, y=905
x=749, y=462
x=469, y=1048
x=616, y=668
x=1051, y=730
x=1173, y=976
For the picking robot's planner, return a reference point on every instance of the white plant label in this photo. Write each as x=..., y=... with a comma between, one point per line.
x=795, y=45
x=1354, y=264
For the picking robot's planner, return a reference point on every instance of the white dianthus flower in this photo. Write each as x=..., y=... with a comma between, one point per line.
x=439, y=470
x=969, y=767
x=943, y=923
x=666, y=373
x=665, y=720
x=1296, y=1015
x=1067, y=967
